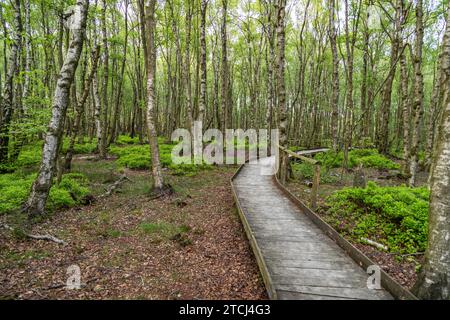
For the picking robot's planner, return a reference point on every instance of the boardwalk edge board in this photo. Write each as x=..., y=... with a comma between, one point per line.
x=388, y=283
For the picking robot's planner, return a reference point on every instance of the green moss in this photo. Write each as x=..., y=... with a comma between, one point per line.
x=302, y=170
x=139, y=157
x=31, y=155
x=124, y=140
x=14, y=190
x=369, y=158
x=394, y=216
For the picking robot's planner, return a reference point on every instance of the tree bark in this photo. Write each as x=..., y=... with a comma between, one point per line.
x=203, y=71
x=26, y=83
x=282, y=114
x=104, y=114
x=417, y=108
x=119, y=92
x=79, y=109
x=41, y=187
x=434, y=279
x=187, y=65
x=226, y=112
x=335, y=75
x=405, y=111
x=7, y=106
x=151, y=68
x=385, y=109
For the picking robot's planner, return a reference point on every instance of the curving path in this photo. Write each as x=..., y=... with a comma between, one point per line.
x=297, y=259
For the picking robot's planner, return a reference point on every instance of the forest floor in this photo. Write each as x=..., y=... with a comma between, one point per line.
x=189, y=245
x=401, y=267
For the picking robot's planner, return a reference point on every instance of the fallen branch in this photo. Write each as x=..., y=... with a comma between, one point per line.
x=64, y=285
x=375, y=244
x=45, y=237
x=114, y=186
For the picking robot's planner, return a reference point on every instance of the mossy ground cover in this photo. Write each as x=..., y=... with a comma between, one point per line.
x=15, y=183
x=386, y=211
x=133, y=155
x=393, y=216
x=14, y=189
x=368, y=158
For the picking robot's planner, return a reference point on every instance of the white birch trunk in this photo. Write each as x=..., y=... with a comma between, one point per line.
x=434, y=280
x=41, y=187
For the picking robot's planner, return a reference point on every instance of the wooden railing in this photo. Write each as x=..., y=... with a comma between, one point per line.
x=316, y=177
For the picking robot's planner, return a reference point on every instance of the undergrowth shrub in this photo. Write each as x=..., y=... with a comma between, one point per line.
x=14, y=190
x=31, y=155
x=303, y=170
x=138, y=157
x=124, y=140
x=369, y=158
x=394, y=216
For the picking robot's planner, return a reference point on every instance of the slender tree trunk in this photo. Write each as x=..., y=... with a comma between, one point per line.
x=7, y=106
x=151, y=68
x=434, y=279
x=385, y=110
x=283, y=165
x=187, y=65
x=97, y=112
x=350, y=41
x=79, y=109
x=335, y=75
x=41, y=186
x=226, y=112
x=104, y=115
x=26, y=83
x=405, y=111
x=203, y=71
x=270, y=61
x=433, y=118
x=417, y=109
x=364, y=125
x=119, y=93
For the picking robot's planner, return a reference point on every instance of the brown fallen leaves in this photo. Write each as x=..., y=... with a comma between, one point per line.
x=210, y=259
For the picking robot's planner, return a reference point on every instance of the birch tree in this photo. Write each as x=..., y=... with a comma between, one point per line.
x=335, y=76
x=281, y=12
x=7, y=103
x=151, y=67
x=434, y=279
x=203, y=71
x=37, y=199
x=417, y=109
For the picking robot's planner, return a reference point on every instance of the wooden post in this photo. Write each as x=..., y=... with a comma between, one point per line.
x=315, y=187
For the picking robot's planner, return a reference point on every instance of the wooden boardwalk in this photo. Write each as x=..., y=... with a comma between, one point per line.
x=297, y=259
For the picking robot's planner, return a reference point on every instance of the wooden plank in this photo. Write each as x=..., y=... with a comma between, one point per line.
x=289, y=295
x=296, y=258
x=342, y=293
